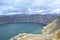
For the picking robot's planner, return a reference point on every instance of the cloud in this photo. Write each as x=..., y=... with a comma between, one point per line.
x=42, y=6
x=57, y=11
x=38, y=2
x=55, y=4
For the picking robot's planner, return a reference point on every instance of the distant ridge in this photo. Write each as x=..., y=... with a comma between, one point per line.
x=37, y=18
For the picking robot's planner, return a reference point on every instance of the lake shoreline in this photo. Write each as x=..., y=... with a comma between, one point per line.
x=20, y=21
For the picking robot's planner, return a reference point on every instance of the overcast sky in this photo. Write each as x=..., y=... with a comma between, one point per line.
x=29, y=6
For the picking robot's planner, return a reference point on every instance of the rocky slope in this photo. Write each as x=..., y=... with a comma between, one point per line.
x=38, y=18
x=57, y=35
x=50, y=32
x=52, y=27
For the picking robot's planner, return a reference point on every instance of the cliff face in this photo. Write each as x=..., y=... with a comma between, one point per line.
x=52, y=27
x=50, y=32
x=45, y=19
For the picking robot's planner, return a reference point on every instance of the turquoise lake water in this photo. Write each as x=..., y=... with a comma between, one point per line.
x=10, y=30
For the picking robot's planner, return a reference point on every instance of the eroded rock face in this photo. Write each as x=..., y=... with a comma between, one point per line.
x=36, y=18
x=52, y=27
x=57, y=35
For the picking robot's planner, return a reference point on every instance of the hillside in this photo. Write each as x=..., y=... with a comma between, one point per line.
x=38, y=18
x=52, y=27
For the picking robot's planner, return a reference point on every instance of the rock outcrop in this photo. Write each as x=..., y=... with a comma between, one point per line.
x=57, y=35
x=52, y=27
x=50, y=32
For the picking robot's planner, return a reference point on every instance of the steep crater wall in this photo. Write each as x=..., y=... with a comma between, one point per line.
x=45, y=19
